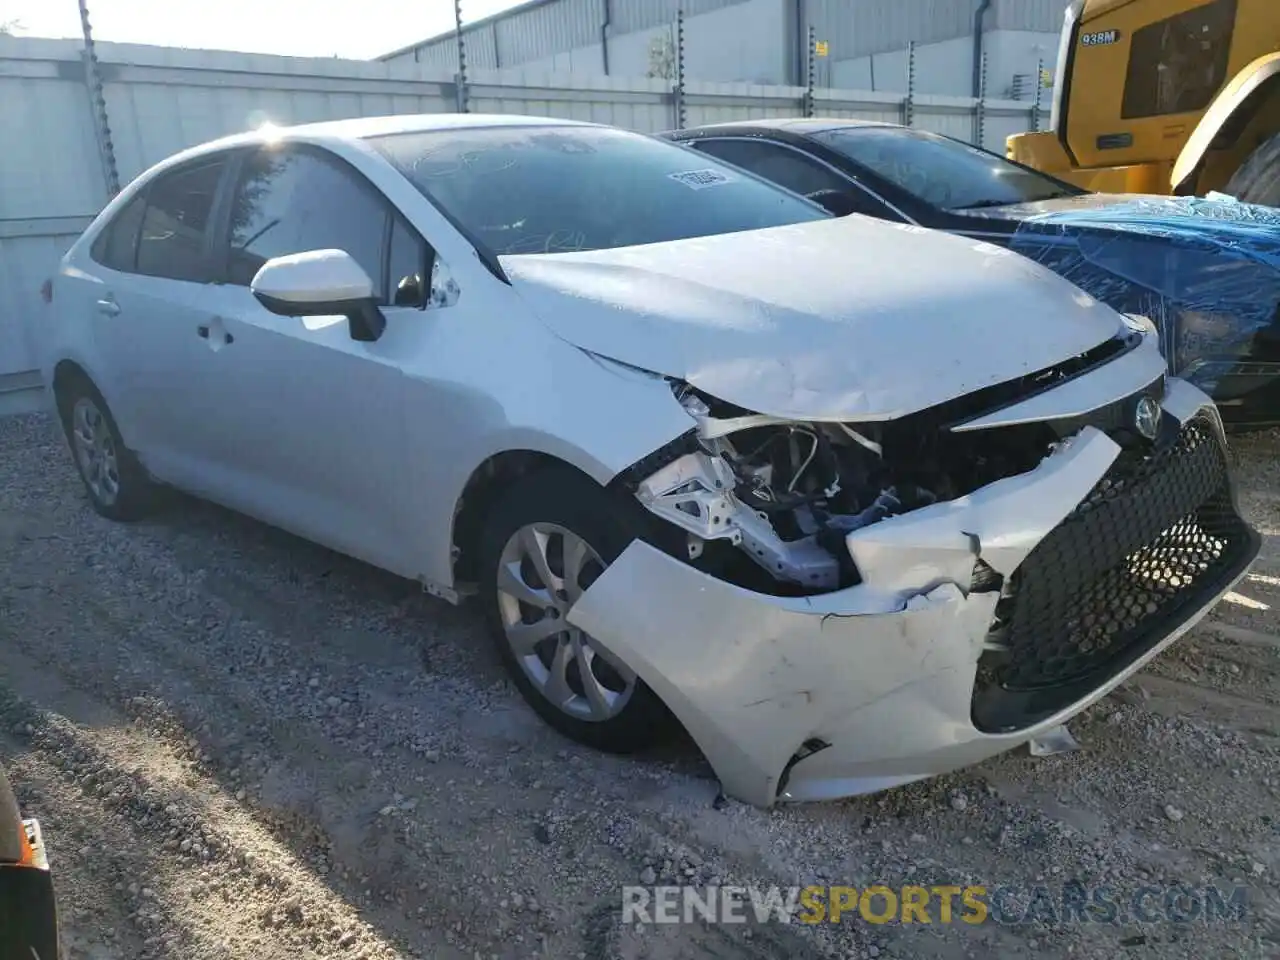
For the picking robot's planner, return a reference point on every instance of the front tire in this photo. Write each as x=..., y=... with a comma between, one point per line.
x=117, y=484
x=1258, y=179
x=545, y=542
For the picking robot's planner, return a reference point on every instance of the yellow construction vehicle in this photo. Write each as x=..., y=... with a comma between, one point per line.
x=1165, y=97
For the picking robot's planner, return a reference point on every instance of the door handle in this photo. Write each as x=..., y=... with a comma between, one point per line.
x=109, y=307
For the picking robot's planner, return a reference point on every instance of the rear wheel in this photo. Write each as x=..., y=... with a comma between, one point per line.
x=1258, y=179
x=116, y=482
x=544, y=544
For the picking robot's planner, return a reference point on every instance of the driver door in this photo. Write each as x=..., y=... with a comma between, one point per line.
x=315, y=438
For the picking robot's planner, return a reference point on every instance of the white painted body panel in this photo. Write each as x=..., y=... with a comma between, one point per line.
x=842, y=319
x=1116, y=380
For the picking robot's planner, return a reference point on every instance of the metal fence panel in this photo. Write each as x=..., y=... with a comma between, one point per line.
x=50, y=162
x=29, y=249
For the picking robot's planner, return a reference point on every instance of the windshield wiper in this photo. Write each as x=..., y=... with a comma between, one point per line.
x=983, y=204
x=987, y=203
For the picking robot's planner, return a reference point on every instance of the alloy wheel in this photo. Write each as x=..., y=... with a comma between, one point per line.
x=95, y=450
x=543, y=571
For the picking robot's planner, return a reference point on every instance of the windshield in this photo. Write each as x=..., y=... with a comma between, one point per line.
x=550, y=189
x=940, y=171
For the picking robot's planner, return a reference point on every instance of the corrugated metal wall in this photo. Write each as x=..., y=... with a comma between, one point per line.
x=854, y=28
x=162, y=100
x=1041, y=16
x=444, y=55
x=545, y=29
x=629, y=15
x=859, y=28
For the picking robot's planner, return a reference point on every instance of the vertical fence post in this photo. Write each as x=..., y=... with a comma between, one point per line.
x=460, y=80
x=677, y=91
x=980, y=112
x=810, y=76
x=1035, y=108
x=909, y=104
x=98, y=104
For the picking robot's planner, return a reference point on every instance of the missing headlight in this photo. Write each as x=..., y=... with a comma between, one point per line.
x=785, y=494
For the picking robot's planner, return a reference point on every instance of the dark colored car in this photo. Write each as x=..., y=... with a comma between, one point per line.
x=28, y=910
x=1206, y=272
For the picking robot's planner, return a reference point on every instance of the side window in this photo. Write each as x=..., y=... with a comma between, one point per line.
x=781, y=165
x=293, y=201
x=1176, y=65
x=117, y=245
x=176, y=223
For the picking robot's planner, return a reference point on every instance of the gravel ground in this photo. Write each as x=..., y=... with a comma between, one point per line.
x=242, y=745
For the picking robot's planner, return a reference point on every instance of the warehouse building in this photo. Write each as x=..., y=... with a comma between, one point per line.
x=862, y=43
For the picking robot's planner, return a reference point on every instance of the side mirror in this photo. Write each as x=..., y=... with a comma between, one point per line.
x=841, y=203
x=321, y=283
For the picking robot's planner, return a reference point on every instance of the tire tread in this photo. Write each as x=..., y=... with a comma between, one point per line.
x=1258, y=179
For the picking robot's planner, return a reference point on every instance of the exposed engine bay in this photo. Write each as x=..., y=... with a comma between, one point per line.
x=787, y=493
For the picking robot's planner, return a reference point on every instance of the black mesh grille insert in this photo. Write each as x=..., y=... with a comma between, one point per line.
x=1154, y=540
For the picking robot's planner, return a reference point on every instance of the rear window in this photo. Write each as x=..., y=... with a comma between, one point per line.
x=116, y=246
x=546, y=189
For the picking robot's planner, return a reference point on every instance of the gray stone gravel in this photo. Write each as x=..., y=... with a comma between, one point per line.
x=242, y=745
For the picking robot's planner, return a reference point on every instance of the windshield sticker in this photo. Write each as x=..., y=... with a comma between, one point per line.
x=699, y=179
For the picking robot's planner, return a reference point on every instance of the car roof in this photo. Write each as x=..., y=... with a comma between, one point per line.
x=796, y=125
x=362, y=128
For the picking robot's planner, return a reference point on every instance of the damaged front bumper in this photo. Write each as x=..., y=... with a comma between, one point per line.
x=924, y=667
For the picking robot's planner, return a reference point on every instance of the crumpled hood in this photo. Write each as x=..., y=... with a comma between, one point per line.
x=840, y=319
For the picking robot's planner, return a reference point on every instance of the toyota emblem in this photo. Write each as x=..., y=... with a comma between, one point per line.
x=1146, y=418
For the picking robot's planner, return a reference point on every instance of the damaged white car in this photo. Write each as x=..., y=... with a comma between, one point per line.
x=852, y=503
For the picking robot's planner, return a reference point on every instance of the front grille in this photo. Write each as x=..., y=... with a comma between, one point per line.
x=1154, y=540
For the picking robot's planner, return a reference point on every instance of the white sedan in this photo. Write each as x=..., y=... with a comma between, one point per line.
x=853, y=503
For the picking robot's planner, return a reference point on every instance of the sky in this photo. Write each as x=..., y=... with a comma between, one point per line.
x=359, y=29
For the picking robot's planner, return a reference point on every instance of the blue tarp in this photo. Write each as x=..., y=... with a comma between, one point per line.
x=1206, y=271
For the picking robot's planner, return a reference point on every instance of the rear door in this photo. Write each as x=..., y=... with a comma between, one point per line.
x=315, y=421
x=154, y=302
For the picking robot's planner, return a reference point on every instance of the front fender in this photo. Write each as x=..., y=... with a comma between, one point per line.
x=1249, y=88
x=595, y=415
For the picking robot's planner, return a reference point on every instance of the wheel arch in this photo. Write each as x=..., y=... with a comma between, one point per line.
x=65, y=373
x=1226, y=118
x=488, y=482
